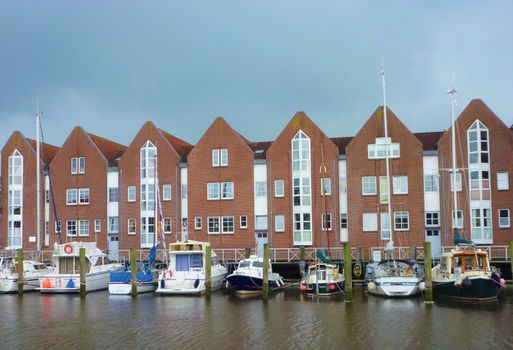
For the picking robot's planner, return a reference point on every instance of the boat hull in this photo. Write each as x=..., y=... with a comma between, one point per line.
x=395, y=287
x=10, y=285
x=480, y=289
x=126, y=288
x=323, y=288
x=174, y=286
x=61, y=283
x=244, y=284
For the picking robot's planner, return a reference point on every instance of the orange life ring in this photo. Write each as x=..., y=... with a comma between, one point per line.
x=68, y=249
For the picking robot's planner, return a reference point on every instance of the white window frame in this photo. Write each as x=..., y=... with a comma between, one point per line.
x=81, y=165
x=400, y=184
x=97, y=226
x=212, y=230
x=83, y=190
x=384, y=218
x=74, y=166
x=245, y=226
x=502, y=184
x=217, y=187
x=459, y=185
x=260, y=188
x=110, y=224
x=366, y=182
x=459, y=223
x=83, y=225
x=215, y=158
x=227, y=230
x=57, y=226
x=330, y=223
x=279, y=223
x=326, y=186
x=68, y=223
x=225, y=195
x=166, y=192
x=384, y=190
x=400, y=215
x=131, y=193
x=372, y=225
x=508, y=217
x=432, y=219
x=279, y=184
x=164, y=224
x=68, y=193
x=223, y=155
x=132, y=226
x=432, y=183
x=197, y=223
x=183, y=191
x=344, y=226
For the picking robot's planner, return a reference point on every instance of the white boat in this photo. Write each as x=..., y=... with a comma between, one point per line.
x=66, y=276
x=32, y=270
x=186, y=271
x=121, y=279
x=322, y=279
x=249, y=275
x=394, y=278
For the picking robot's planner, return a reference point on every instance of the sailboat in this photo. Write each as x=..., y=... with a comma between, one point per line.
x=390, y=277
x=322, y=277
x=32, y=270
x=464, y=273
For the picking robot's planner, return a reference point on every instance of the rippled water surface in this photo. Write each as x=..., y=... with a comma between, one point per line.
x=286, y=321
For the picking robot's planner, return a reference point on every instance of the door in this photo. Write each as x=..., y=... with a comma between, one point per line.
x=260, y=239
x=433, y=236
x=114, y=248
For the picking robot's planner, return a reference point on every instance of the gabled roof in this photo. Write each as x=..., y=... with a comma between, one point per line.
x=181, y=147
x=111, y=150
x=341, y=143
x=429, y=139
x=48, y=151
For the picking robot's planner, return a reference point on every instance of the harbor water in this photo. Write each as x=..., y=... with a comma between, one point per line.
x=287, y=321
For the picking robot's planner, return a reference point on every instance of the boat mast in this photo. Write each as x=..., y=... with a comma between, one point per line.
x=390, y=244
x=452, y=93
x=38, y=180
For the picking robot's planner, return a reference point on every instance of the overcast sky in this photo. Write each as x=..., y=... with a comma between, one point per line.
x=111, y=65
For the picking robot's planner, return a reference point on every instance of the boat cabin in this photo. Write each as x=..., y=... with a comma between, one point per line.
x=185, y=256
x=463, y=261
x=66, y=257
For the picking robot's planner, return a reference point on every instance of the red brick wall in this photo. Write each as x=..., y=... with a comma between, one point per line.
x=501, y=159
x=239, y=171
x=78, y=144
x=279, y=167
x=129, y=168
x=409, y=164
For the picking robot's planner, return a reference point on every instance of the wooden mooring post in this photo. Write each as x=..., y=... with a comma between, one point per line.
x=348, y=297
x=265, y=281
x=247, y=252
x=208, y=270
x=511, y=257
x=133, y=271
x=428, y=293
x=302, y=263
x=83, y=271
x=21, y=280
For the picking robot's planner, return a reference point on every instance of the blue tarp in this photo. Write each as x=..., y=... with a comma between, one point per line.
x=124, y=275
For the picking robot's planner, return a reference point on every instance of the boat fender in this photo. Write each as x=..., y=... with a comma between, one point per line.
x=357, y=270
x=371, y=285
x=162, y=283
x=47, y=283
x=170, y=273
x=422, y=285
x=68, y=248
x=196, y=283
x=70, y=284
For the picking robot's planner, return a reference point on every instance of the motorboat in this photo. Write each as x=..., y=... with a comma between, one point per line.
x=32, y=270
x=120, y=282
x=323, y=279
x=249, y=275
x=394, y=278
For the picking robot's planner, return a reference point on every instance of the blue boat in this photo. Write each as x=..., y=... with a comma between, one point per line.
x=121, y=279
x=248, y=277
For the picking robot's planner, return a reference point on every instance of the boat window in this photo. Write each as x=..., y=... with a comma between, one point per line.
x=182, y=262
x=99, y=262
x=321, y=274
x=214, y=261
x=480, y=262
x=66, y=265
x=468, y=263
x=39, y=266
x=258, y=263
x=196, y=260
x=244, y=263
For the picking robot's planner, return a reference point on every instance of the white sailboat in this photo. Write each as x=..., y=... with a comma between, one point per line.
x=390, y=277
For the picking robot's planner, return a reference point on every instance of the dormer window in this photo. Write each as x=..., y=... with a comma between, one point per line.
x=377, y=150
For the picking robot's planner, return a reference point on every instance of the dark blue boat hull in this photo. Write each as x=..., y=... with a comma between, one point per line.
x=243, y=283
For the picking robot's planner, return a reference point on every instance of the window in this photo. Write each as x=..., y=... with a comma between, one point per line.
x=97, y=225
x=185, y=224
x=81, y=165
x=430, y=183
x=400, y=184
x=401, y=220
x=243, y=221
x=385, y=225
x=504, y=218
x=432, y=232
x=326, y=186
x=213, y=224
x=377, y=150
x=147, y=228
x=83, y=228
x=457, y=219
x=131, y=193
x=71, y=228
x=131, y=226
x=184, y=191
x=74, y=166
x=147, y=197
x=227, y=190
x=213, y=191
x=279, y=188
x=342, y=185
x=481, y=224
x=370, y=222
x=326, y=222
x=58, y=226
x=383, y=189
x=83, y=195
x=224, y=157
x=215, y=157
x=502, y=181
x=458, y=181
x=167, y=225
x=113, y=224
x=343, y=220
x=197, y=223
x=14, y=202
x=15, y=168
x=260, y=188
x=261, y=222
x=301, y=191
x=368, y=185
x=300, y=152
x=47, y=196
x=166, y=192
x=478, y=144
x=228, y=224
x=432, y=219
x=279, y=223
x=113, y=194
x=148, y=156
x=71, y=196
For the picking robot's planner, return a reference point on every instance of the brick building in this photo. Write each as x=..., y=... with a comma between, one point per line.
x=19, y=187
x=84, y=186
